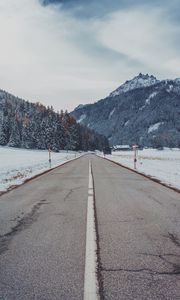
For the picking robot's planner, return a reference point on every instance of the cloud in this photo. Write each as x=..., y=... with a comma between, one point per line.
x=94, y=8
x=148, y=38
x=48, y=56
x=43, y=58
x=67, y=54
x=87, y=9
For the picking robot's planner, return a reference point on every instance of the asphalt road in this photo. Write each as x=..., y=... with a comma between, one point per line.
x=139, y=235
x=43, y=235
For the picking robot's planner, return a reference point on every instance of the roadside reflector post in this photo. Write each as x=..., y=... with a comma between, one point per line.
x=135, y=155
x=49, y=150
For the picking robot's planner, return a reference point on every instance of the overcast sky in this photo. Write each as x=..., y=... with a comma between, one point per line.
x=78, y=52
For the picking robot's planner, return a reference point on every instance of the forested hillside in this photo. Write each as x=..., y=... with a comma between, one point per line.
x=32, y=125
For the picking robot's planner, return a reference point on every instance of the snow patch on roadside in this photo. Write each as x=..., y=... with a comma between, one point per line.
x=160, y=164
x=17, y=165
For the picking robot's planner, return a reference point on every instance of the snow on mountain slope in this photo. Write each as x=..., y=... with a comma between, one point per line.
x=137, y=82
x=154, y=127
x=111, y=113
x=130, y=113
x=81, y=118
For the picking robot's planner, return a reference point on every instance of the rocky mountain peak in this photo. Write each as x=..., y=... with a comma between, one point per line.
x=139, y=81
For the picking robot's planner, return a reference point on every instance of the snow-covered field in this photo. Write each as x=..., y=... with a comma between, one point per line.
x=161, y=164
x=17, y=165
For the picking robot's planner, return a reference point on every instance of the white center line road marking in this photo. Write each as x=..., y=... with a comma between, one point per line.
x=91, y=289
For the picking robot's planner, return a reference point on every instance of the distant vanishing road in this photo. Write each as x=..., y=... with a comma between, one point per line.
x=46, y=235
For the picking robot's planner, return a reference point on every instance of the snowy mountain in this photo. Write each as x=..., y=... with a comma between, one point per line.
x=143, y=110
x=137, y=82
x=33, y=126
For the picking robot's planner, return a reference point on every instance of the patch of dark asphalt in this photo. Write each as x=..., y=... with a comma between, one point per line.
x=22, y=223
x=99, y=262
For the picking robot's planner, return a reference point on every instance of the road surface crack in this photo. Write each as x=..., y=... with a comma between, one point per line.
x=70, y=192
x=68, y=195
x=173, y=238
x=150, y=271
x=22, y=224
x=154, y=199
x=160, y=255
x=175, y=266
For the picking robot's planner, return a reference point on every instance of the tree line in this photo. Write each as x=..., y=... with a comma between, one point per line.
x=34, y=126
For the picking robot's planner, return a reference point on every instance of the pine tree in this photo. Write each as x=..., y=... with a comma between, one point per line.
x=28, y=125
x=14, y=140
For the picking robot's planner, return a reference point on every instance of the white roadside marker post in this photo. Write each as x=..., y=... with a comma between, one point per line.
x=135, y=155
x=49, y=150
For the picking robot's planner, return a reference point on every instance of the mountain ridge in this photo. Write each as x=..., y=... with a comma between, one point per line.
x=137, y=82
x=129, y=113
